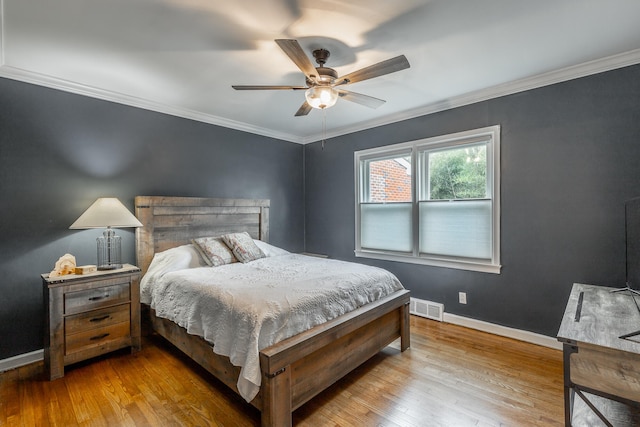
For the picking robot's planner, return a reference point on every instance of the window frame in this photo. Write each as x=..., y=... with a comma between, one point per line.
x=489, y=135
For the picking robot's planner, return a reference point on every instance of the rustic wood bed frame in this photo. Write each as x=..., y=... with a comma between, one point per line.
x=293, y=370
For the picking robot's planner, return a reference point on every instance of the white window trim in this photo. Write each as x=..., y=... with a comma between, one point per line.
x=493, y=167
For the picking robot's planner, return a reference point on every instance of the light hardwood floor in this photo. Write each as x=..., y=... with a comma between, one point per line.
x=451, y=376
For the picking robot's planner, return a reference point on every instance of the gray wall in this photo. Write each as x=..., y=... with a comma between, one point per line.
x=570, y=159
x=570, y=155
x=59, y=152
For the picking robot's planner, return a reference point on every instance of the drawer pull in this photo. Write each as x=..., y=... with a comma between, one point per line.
x=100, y=319
x=99, y=337
x=99, y=298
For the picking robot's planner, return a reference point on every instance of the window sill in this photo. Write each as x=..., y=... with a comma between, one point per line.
x=456, y=264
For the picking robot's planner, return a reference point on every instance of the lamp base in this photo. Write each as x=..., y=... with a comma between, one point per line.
x=109, y=252
x=110, y=267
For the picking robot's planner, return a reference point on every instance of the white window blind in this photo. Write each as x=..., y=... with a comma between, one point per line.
x=460, y=229
x=386, y=226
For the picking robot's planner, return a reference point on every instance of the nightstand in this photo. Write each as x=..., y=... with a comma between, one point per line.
x=89, y=315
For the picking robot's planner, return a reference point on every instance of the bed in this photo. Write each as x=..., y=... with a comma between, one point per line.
x=295, y=369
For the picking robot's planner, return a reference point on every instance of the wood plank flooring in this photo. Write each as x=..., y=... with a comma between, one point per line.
x=451, y=376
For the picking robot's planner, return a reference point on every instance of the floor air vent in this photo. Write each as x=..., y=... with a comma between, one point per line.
x=428, y=309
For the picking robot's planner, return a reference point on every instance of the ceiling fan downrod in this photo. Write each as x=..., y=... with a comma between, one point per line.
x=326, y=75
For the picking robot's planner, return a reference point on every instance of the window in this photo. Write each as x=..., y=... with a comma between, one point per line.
x=434, y=201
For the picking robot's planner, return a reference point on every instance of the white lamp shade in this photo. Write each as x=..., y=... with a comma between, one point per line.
x=106, y=212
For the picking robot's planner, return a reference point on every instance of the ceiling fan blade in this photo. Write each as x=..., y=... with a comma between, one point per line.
x=293, y=49
x=304, y=109
x=358, y=98
x=380, y=69
x=245, y=87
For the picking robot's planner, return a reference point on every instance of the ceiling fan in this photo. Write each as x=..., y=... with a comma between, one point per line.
x=323, y=86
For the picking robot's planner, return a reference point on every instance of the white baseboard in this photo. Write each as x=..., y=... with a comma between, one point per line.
x=504, y=331
x=21, y=360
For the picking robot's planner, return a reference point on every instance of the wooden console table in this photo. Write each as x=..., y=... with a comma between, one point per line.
x=601, y=368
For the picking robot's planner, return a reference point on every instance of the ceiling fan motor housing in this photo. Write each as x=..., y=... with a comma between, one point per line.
x=326, y=76
x=327, y=73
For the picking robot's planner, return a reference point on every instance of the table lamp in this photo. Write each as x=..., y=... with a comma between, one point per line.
x=107, y=212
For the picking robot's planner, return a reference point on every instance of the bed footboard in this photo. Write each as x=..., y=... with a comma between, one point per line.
x=297, y=369
x=300, y=367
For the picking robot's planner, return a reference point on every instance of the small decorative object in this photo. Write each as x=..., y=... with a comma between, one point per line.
x=86, y=269
x=107, y=212
x=66, y=264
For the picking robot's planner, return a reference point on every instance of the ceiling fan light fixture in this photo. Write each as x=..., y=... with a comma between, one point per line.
x=321, y=97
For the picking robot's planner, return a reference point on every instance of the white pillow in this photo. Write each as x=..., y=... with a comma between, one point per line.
x=174, y=259
x=270, y=250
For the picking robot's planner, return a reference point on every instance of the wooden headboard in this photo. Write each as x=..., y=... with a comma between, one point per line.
x=168, y=222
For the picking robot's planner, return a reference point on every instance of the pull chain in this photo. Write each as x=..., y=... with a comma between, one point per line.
x=324, y=127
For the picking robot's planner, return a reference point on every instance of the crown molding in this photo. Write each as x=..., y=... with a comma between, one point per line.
x=26, y=76
x=558, y=76
x=120, y=98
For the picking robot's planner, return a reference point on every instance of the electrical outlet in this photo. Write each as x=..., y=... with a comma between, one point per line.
x=462, y=297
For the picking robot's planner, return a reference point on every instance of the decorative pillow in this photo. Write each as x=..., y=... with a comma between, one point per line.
x=243, y=247
x=214, y=251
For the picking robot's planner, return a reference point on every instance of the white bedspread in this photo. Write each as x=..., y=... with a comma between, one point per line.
x=243, y=308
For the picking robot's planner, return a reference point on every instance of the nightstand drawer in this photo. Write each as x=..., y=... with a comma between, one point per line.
x=96, y=319
x=77, y=302
x=96, y=337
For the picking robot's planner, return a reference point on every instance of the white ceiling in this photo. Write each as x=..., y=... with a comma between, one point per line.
x=182, y=56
